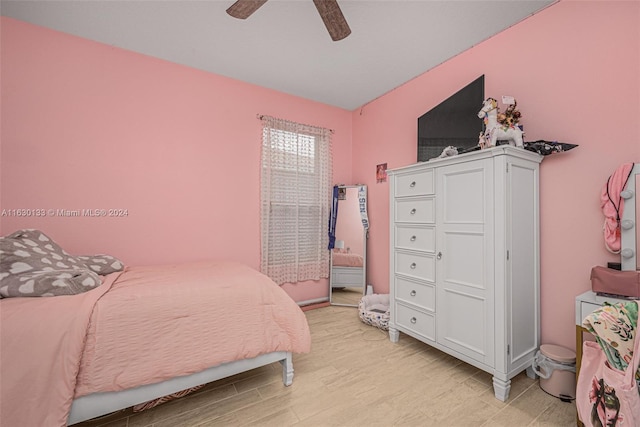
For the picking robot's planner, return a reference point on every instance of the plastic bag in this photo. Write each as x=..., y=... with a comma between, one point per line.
x=544, y=366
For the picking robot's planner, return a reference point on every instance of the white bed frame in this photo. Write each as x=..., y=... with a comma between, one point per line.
x=347, y=277
x=97, y=404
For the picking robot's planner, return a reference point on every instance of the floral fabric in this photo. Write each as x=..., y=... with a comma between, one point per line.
x=615, y=328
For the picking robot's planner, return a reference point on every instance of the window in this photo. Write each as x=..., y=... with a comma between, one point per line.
x=295, y=200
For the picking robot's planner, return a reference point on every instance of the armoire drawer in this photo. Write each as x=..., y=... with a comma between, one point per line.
x=421, y=266
x=420, y=294
x=417, y=238
x=420, y=211
x=421, y=323
x=415, y=184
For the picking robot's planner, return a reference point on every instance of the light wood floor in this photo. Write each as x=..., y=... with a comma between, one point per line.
x=354, y=376
x=350, y=296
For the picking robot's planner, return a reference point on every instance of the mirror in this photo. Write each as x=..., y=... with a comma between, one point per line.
x=347, y=283
x=630, y=232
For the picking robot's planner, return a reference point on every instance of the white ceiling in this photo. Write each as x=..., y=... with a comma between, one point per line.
x=284, y=44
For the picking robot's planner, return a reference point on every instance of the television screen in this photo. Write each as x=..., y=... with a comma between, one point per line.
x=453, y=122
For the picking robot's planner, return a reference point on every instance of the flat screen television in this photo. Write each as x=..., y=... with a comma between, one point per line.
x=452, y=122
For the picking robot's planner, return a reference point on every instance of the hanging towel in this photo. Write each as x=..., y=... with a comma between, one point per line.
x=612, y=206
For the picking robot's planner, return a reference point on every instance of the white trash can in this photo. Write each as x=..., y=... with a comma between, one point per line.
x=556, y=367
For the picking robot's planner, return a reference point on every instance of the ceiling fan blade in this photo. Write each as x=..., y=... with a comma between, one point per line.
x=333, y=19
x=242, y=9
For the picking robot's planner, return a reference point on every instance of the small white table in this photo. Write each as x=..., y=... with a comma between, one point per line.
x=588, y=302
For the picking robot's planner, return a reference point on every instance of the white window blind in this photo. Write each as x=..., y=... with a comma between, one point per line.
x=296, y=197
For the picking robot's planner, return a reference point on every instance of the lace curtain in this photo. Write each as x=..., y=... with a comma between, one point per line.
x=295, y=200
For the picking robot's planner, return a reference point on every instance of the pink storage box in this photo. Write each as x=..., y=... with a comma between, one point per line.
x=615, y=282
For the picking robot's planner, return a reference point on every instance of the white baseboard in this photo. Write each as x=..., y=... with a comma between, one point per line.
x=312, y=301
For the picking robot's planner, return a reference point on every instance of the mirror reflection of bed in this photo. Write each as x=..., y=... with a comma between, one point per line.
x=348, y=257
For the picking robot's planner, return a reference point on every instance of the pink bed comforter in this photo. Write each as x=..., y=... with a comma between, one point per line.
x=142, y=326
x=345, y=259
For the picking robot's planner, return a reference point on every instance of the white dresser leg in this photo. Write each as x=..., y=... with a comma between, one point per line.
x=501, y=388
x=394, y=334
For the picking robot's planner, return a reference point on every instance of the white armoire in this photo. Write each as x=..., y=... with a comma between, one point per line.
x=464, y=258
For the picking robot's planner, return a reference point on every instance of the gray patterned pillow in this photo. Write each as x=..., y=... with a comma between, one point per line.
x=102, y=264
x=31, y=264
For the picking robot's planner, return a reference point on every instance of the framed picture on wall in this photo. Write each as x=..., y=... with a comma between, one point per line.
x=342, y=193
x=381, y=172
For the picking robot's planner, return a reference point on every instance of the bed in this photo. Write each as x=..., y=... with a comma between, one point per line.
x=143, y=333
x=347, y=259
x=346, y=270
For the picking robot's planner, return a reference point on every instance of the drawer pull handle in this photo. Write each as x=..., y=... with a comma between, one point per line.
x=413, y=320
x=413, y=238
x=413, y=211
x=439, y=256
x=413, y=265
x=413, y=184
x=413, y=293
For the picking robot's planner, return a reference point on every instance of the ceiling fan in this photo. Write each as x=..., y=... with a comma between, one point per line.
x=329, y=12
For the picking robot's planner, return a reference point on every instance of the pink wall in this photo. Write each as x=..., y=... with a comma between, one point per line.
x=574, y=69
x=86, y=125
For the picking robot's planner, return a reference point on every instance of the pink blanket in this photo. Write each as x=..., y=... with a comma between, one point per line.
x=152, y=324
x=41, y=343
x=344, y=259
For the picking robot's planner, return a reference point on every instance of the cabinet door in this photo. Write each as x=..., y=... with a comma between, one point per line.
x=521, y=302
x=465, y=259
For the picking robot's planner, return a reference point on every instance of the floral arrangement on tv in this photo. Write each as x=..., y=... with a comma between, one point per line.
x=504, y=128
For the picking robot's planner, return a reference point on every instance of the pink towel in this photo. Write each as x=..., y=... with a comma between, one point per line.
x=612, y=206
